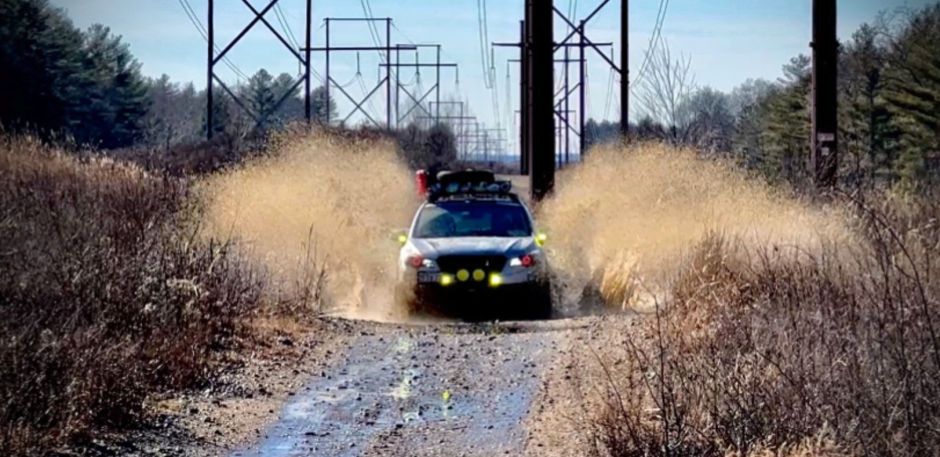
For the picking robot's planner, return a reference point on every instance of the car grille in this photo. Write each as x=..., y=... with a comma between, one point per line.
x=488, y=263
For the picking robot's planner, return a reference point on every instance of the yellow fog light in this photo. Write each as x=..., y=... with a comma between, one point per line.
x=447, y=279
x=540, y=239
x=478, y=275
x=463, y=275
x=495, y=279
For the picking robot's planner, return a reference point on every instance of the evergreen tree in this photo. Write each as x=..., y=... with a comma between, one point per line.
x=41, y=72
x=318, y=110
x=788, y=124
x=913, y=96
x=292, y=107
x=260, y=97
x=58, y=80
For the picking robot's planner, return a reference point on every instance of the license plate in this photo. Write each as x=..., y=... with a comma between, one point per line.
x=428, y=277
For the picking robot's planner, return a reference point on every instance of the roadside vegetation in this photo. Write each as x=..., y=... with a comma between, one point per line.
x=111, y=292
x=763, y=350
x=107, y=294
x=829, y=347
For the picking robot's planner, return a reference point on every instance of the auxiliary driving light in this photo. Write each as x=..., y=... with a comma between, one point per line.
x=447, y=279
x=495, y=280
x=478, y=275
x=463, y=275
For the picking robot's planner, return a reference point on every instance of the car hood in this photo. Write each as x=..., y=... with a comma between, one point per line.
x=437, y=247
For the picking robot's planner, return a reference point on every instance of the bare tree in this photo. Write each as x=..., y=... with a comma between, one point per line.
x=709, y=122
x=666, y=86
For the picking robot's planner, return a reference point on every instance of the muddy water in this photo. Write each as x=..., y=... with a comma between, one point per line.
x=443, y=389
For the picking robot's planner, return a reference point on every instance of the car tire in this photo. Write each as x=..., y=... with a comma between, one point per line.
x=542, y=306
x=405, y=299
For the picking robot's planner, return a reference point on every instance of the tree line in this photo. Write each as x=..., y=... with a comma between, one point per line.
x=889, y=108
x=86, y=86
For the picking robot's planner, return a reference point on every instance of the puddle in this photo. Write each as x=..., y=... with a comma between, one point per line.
x=461, y=390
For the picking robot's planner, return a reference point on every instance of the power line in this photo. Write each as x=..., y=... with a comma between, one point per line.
x=372, y=23
x=654, y=41
x=587, y=101
x=373, y=29
x=194, y=18
x=610, y=91
x=285, y=26
x=483, y=40
x=188, y=9
x=486, y=30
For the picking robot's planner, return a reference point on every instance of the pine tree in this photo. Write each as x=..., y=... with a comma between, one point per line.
x=41, y=72
x=261, y=99
x=318, y=108
x=788, y=124
x=913, y=96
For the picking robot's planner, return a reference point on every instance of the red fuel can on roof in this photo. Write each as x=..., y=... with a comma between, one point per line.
x=421, y=183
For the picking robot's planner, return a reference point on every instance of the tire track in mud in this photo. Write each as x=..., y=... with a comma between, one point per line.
x=434, y=390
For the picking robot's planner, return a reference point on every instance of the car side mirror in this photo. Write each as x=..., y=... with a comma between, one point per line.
x=540, y=238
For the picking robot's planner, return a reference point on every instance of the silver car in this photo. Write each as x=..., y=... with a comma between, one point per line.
x=473, y=252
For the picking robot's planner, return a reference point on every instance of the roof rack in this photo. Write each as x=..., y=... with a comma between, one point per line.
x=470, y=185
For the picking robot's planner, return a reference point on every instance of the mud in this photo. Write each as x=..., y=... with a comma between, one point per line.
x=422, y=390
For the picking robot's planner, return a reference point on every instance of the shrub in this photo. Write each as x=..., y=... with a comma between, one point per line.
x=770, y=349
x=106, y=294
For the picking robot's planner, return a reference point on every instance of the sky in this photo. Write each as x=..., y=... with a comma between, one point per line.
x=727, y=41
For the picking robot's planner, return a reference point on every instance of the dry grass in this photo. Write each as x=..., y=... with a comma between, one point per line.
x=106, y=294
x=320, y=212
x=823, y=341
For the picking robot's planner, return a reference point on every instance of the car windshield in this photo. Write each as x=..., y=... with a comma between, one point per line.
x=448, y=220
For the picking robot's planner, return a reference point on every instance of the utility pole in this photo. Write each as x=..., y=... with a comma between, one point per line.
x=541, y=71
x=210, y=67
x=307, y=84
x=386, y=81
x=622, y=69
x=561, y=106
x=523, y=94
x=825, y=46
x=582, y=110
x=523, y=102
x=566, y=110
x=214, y=58
x=566, y=91
x=625, y=70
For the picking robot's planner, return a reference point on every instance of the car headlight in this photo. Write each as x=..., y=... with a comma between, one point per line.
x=416, y=261
x=527, y=260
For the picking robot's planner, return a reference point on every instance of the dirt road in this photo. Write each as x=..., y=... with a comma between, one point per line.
x=422, y=390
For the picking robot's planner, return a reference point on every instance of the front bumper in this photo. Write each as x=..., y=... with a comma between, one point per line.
x=513, y=301
x=519, y=294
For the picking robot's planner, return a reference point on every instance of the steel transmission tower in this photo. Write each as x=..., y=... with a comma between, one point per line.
x=537, y=81
x=214, y=58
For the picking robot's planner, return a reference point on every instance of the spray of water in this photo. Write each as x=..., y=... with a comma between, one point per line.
x=320, y=208
x=620, y=224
